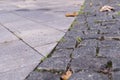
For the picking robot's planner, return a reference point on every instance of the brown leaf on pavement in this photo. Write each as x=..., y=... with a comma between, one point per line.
x=91, y=4
x=66, y=75
x=106, y=8
x=71, y=14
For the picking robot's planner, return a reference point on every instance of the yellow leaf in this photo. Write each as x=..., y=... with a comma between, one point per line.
x=71, y=14
x=67, y=75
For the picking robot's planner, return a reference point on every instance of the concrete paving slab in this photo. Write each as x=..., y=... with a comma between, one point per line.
x=52, y=13
x=55, y=20
x=64, y=23
x=17, y=74
x=17, y=60
x=41, y=37
x=6, y=36
x=15, y=55
x=38, y=15
x=21, y=25
x=9, y=17
x=35, y=34
x=46, y=49
x=6, y=6
x=25, y=4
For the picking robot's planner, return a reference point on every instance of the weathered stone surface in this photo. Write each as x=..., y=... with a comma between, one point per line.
x=43, y=76
x=116, y=75
x=88, y=63
x=62, y=53
x=109, y=43
x=66, y=42
x=89, y=43
x=109, y=48
x=110, y=52
x=84, y=51
x=88, y=76
x=74, y=33
x=116, y=63
x=96, y=48
x=54, y=63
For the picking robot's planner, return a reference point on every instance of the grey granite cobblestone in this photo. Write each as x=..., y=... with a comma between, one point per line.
x=54, y=63
x=116, y=76
x=88, y=76
x=43, y=76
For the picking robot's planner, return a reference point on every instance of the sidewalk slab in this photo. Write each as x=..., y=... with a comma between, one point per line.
x=53, y=20
x=52, y=13
x=17, y=74
x=46, y=49
x=15, y=57
x=6, y=36
x=35, y=34
x=9, y=17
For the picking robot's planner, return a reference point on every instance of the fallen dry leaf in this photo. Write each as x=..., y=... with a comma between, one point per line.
x=71, y=14
x=91, y=4
x=66, y=75
x=107, y=8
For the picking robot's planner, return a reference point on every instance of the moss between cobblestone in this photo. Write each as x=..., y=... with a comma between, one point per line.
x=118, y=13
x=97, y=51
x=118, y=4
x=98, y=21
x=43, y=59
x=72, y=25
x=81, y=9
x=75, y=21
x=62, y=40
x=52, y=71
x=78, y=39
x=47, y=56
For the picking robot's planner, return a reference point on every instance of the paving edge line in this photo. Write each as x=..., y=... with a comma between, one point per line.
x=21, y=40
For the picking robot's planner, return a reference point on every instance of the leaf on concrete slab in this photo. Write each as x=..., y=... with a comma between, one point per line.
x=66, y=75
x=74, y=14
x=106, y=8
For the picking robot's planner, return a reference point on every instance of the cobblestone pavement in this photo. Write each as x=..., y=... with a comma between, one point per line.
x=30, y=29
x=90, y=48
